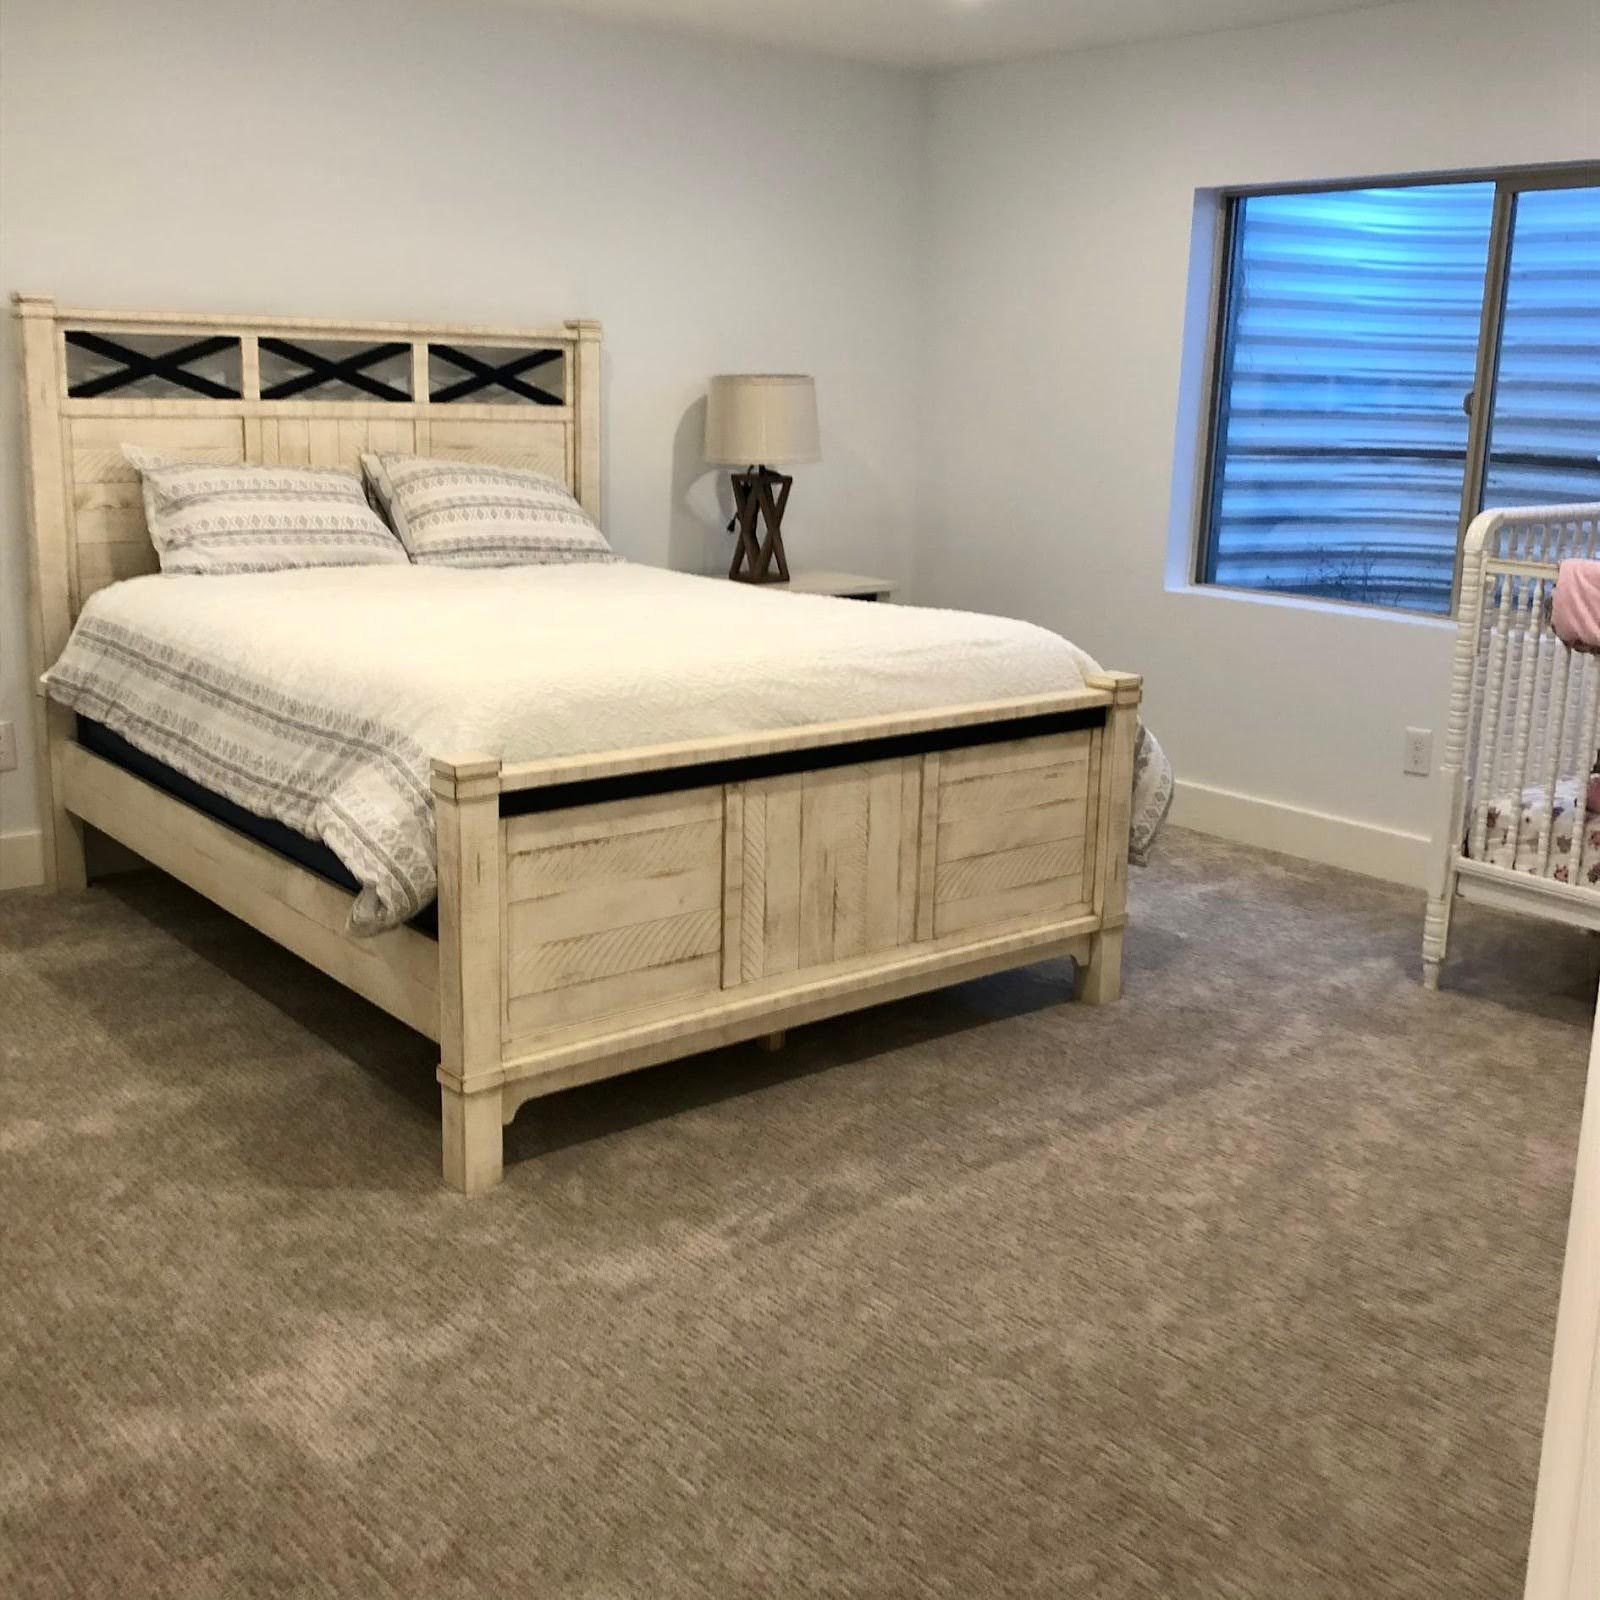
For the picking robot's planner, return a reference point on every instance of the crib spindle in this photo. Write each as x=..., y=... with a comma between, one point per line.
x=1532, y=674
x=1552, y=765
x=1487, y=766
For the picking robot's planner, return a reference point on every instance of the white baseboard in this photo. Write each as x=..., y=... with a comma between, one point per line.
x=21, y=859
x=1334, y=841
x=1247, y=819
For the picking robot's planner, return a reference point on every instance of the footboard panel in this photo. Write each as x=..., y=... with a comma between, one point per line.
x=656, y=903
x=821, y=867
x=1009, y=831
x=612, y=906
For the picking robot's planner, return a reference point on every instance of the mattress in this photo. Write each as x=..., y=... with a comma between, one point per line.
x=317, y=699
x=1514, y=824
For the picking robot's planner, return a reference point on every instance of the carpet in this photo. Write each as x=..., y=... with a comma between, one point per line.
x=1243, y=1287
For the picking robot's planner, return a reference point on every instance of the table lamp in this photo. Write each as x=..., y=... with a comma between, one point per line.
x=759, y=421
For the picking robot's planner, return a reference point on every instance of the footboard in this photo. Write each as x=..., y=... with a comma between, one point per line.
x=600, y=914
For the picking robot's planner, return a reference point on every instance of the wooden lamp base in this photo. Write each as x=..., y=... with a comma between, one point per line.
x=759, y=496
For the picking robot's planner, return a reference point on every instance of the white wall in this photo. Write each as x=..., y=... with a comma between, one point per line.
x=987, y=269
x=1063, y=197
x=718, y=208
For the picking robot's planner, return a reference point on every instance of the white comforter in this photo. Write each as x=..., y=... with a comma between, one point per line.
x=319, y=697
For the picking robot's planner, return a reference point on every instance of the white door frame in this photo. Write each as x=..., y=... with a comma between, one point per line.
x=1564, y=1559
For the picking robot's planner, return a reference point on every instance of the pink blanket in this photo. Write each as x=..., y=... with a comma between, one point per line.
x=1575, y=608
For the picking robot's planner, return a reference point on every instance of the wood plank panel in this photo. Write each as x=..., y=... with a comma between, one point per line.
x=910, y=851
x=981, y=836
x=582, y=1002
x=378, y=434
x=971, y=876
x=1011, y=838
x=614, y=951
x=294, y=442
x=1013, y=791
x=108, y=502
x=612, y=905
x=534, y=444
x=732, y=882
x=648, y=852
x=617, y=903
x=97, y=442
x=929, y=842
x=828, y=866
x=833, y=865
x=781, y=936
x=882, y=886
x=1058, y=897
x=753, y=885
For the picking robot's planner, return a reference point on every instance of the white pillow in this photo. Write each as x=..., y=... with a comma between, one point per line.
x=220, y=517
x=476, y=514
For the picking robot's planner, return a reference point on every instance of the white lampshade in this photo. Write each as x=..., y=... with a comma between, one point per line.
x=762, y=419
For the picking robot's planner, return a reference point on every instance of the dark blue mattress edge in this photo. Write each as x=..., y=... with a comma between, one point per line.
x=276, y=836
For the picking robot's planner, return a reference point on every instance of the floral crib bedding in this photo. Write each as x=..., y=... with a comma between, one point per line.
x=1513, y=836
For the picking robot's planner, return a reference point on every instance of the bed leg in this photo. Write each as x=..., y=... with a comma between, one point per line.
x=71, y=867
x=473, y=1130
x=774, y=1041
x=65, y=866
x=1100, y=977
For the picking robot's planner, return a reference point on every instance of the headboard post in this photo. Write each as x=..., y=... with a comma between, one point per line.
x=587, y=486
x=50, y=570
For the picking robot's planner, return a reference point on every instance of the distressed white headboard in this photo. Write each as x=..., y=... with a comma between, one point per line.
x=270, y=390
x=274, y=389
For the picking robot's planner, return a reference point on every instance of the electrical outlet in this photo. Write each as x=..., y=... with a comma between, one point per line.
x=1419, y=751
x=8, y=747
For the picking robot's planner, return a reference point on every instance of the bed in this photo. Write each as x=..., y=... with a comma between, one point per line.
x=774, y=810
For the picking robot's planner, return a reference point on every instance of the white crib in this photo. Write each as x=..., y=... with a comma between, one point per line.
x=1515, y=829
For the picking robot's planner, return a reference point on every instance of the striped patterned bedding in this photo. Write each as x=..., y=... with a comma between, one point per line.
x=319, y=697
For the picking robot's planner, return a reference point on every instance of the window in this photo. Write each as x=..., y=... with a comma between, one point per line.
x=1389, y=361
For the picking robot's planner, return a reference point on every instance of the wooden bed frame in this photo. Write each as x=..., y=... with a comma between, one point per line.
x=599, y=913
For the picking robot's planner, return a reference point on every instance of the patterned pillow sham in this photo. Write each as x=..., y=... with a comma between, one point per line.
x=476, y=514
x=223, y=517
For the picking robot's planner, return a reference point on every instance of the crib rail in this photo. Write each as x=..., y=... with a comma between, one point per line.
x=1525, y=710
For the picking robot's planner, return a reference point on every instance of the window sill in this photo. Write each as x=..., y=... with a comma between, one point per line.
x=1332, y=608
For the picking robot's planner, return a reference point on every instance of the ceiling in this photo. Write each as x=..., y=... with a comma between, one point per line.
x=933, y=33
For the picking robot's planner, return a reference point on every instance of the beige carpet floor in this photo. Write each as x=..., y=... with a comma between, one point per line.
x=1244, y=1287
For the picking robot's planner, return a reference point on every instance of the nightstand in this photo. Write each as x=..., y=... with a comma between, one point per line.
x=842, y=585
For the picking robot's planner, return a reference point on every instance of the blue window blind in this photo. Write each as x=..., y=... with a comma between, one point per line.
x=1349, y=346
x=1544, y=440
